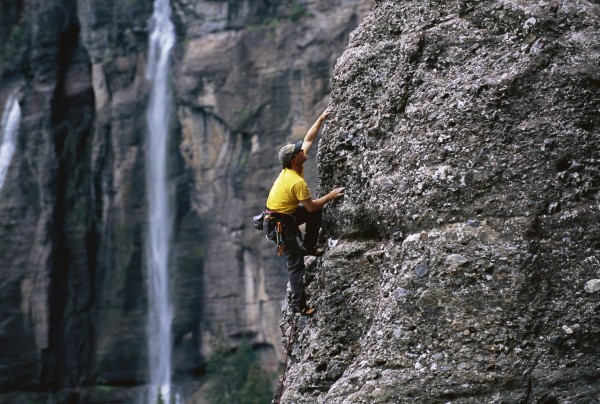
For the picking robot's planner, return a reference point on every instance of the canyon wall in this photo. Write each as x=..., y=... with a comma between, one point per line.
x=247, y=78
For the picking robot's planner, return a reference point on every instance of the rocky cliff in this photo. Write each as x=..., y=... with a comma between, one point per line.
x=247, y=77
x=463, y=260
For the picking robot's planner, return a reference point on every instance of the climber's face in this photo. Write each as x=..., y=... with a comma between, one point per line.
x=299, y=158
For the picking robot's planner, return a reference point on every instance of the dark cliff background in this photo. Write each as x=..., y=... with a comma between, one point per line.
x=463, y=262
x=248, y=76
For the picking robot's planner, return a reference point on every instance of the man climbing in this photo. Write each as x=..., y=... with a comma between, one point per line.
x=289, y=205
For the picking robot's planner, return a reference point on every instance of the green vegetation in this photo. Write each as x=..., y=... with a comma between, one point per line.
x=16, y=42
x=240, y=115
x=298, y=11
x=236, y=377
x=271, y=23
x=17, y=36
x=110, y=52
x=105, y=389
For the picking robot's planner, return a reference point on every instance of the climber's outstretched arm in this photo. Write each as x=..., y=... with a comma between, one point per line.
x=313, y=132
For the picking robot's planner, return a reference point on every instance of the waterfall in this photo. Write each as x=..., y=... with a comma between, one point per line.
x=11, y=119
x=162, y=39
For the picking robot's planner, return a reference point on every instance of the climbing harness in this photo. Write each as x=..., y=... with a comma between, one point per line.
x=279, y=235
x=282, y=222
x=276, y=223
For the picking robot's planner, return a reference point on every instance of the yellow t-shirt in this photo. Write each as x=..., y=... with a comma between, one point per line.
x=289, y=188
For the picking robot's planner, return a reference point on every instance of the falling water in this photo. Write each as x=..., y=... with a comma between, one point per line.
x=11, y=118
x=160, y=314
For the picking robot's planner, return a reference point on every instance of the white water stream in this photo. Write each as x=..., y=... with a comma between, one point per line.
x=11, y=119
x=160, y=315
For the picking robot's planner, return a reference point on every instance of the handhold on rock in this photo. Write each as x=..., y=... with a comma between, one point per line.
x=456, y=259
x=422, y=270
x=400, y=294
x=553, y=208
x=502, y=362
x=592, y=286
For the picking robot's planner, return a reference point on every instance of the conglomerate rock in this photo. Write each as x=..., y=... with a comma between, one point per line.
x=463, y=257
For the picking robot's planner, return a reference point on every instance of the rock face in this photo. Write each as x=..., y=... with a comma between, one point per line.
x=463, y=257
x=247, y=77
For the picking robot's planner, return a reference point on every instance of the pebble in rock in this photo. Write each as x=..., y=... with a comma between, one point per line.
x=592, y=286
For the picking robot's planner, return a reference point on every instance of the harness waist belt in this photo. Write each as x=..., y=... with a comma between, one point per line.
x=283, y=216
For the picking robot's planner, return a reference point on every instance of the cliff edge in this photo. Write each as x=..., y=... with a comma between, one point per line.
x=463, y=260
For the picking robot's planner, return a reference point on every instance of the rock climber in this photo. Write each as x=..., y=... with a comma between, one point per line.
x=290, y=204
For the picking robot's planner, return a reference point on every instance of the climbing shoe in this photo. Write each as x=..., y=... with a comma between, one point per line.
x=307, y=311
x=314, y=251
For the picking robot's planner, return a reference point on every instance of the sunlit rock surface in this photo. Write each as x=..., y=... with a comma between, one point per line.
x=464, y=258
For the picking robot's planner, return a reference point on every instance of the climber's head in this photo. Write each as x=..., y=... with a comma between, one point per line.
x=290, y=152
